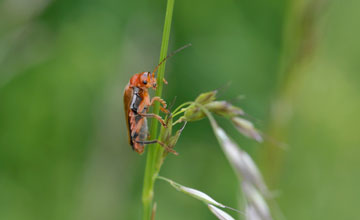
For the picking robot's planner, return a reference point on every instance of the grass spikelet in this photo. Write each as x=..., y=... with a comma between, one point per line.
x=246, y=128
x=241, y=161
x=256, y=200
x=251, y=213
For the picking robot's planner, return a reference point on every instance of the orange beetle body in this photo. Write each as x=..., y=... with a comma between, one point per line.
x=136, y=103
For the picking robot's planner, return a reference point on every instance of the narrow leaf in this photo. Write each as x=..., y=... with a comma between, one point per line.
x=193, y=192
x=220, y=214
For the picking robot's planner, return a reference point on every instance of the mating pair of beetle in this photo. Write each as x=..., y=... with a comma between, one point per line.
x=136, y=105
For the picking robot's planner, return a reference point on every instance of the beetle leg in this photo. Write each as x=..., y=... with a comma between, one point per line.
x=157, y=98
x=162, y=102
x=152, y=115
x=164, y=110
x=160, y=143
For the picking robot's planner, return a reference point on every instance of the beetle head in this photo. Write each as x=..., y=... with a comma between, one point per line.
x=148, y=80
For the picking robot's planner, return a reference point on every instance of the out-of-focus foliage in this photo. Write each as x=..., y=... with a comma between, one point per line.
x=63, y=66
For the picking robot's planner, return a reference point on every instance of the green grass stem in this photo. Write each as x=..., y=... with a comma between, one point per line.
x=154, y=152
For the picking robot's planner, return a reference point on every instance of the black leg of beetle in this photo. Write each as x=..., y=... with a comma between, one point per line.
x=147, y=142
x=168, y=118
x=161, y=144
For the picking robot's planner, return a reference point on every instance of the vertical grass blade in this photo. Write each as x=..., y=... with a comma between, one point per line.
x=154, y=152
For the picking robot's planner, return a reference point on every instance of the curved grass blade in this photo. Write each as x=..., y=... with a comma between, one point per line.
x=220, y=214
x=197, y=194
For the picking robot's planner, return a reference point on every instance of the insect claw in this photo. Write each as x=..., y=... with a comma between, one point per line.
x=164, y=110
x=172, y=151
x=168, y=118
x=175, y=153
x=164, y=124
x=164, y=80
x=167, y=148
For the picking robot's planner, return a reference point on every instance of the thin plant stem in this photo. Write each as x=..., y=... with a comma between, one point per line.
x=178, y=113
x=154, y=152
x=209, y=115
x=181, y=106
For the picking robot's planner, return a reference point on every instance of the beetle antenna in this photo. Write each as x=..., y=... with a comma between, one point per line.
x=170, y=55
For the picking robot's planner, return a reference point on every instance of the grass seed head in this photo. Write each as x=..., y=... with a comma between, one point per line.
x=206, y=97
x=224, y=108
x=256, y=200
x=246, y=128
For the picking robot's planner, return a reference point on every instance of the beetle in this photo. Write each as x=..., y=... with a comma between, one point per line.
x=136, y=105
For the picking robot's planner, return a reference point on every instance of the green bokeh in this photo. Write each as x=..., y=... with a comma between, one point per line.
x=63, y=142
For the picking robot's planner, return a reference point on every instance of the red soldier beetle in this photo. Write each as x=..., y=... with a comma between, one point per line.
x=136, y=105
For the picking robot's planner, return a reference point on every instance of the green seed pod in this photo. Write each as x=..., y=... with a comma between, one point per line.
x=206, y=97
x=224, y=108
x=193, y=113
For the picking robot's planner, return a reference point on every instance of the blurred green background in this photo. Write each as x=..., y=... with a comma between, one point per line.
x=64, y=64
